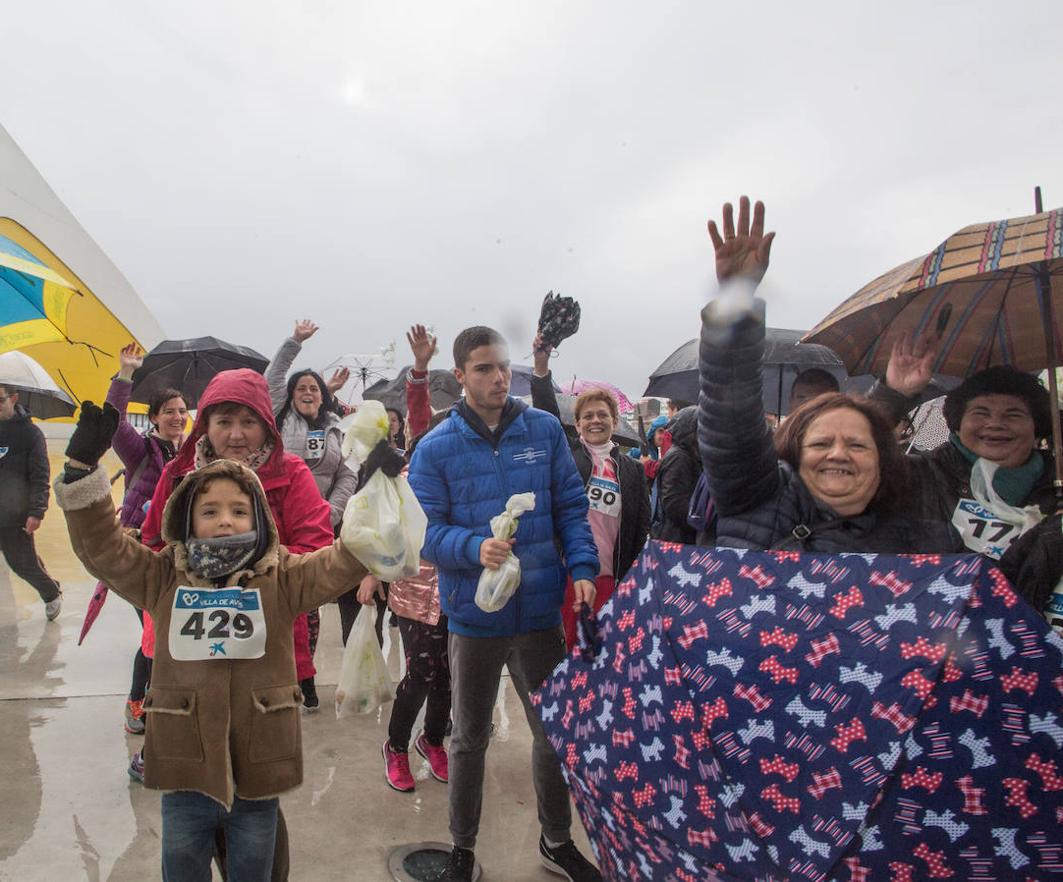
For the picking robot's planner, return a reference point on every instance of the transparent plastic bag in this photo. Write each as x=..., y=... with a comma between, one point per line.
x=383, y=525
x=496, y=587
x=364, y=683
x=363, y=430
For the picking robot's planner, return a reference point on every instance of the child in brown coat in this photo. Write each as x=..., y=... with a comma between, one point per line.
x=223, y=737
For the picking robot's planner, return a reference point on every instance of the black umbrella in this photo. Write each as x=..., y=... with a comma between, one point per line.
x=37, y=391
x=443, y=390
x=188, y=365
x=784, y=358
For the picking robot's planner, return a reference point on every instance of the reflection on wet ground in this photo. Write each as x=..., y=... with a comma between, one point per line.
x=70, y=811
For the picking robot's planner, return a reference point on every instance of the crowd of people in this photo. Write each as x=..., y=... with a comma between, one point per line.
x=250, y=504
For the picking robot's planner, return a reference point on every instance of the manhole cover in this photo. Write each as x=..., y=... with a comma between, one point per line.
x=421, y=862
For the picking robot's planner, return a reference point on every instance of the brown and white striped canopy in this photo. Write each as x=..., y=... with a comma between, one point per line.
x=995, y=281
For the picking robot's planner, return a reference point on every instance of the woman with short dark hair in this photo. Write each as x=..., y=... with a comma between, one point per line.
x=991, y=479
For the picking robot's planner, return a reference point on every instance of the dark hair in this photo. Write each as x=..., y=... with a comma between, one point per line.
x=1001, y=380
x=158, y=400
x=473, y=338
x=816, y=378
x=328, y=405
x=239, y=479
x=677, y=404
x=891, y=465
x=400, y=436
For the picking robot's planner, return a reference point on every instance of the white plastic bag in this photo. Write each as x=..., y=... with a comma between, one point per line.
x=383, y=525
x=363, y=430
x=496, y=586
x=365, y=683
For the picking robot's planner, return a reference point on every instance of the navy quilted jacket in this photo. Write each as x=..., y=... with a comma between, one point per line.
x=462, y=480
x=759, y=499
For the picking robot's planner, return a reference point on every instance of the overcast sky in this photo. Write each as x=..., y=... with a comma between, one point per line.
x=369, y=165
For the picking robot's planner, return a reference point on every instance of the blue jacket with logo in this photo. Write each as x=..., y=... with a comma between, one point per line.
x=462, y=480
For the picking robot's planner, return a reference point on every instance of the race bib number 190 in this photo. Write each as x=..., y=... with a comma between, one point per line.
x=217, y=623
x=604, y=496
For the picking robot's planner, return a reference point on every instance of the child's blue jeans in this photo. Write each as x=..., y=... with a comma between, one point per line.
x=189, y=820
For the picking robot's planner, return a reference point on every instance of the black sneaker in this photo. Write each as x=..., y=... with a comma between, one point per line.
x=565, y=860
x=459, y=866
x=310, y=702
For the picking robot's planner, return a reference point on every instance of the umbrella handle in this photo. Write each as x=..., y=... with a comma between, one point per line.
x=590, y=642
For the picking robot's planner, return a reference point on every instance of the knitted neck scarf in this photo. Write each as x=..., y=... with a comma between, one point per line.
x=1012, y=485
x=222, y=556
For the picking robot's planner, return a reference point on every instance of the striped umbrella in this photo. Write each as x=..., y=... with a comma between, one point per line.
x=992, y=292
x=989, y=287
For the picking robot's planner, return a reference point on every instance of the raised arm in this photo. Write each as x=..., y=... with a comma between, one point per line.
x=542, y=383
x=127, y=442
x=83, y=491
x=277, y=369
x=423, y=345
x=908, y=373
x=734, y=440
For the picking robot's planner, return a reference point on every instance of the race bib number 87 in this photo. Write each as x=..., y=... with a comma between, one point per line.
x=218, y=623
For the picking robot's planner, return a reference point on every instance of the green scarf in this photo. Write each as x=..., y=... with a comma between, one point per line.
x=1012, y=485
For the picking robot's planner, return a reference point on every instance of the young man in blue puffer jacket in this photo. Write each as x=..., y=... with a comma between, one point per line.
x=463, y=472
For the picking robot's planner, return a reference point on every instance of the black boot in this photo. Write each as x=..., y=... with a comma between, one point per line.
x=459, y=866
x=310, y=702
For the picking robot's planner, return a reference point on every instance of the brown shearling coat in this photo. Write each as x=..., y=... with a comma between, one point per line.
x=219, y=726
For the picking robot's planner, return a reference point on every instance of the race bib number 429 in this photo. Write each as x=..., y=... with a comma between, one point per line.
x=217, y=623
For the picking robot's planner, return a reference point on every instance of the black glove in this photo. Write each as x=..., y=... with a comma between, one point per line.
x=92, y=437
x=385, y=458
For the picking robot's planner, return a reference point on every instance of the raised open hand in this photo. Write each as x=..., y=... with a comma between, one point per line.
x=338, y=380
x=304, y=330
x=911, y=364
x=130, y=358
x=743, y=251
x=423, y=345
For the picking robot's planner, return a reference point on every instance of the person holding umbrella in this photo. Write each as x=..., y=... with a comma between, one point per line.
x=991, y=480
x=310, y=428
x=143, y=456
x=832, y=478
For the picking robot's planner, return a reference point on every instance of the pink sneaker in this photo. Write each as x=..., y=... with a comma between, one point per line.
x=436, y=756
x=397, y=769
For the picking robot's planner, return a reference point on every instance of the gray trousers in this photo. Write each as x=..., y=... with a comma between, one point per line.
x=475, y=671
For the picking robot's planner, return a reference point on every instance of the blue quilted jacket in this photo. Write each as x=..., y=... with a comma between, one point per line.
x=462, y=480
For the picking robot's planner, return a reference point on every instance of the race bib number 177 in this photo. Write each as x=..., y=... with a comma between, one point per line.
x=981, y=530
x=217, y=623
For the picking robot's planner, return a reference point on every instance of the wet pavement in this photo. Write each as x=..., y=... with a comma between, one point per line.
x=70, y=812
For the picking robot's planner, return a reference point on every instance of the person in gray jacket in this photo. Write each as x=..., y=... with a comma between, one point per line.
x=310, y=428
